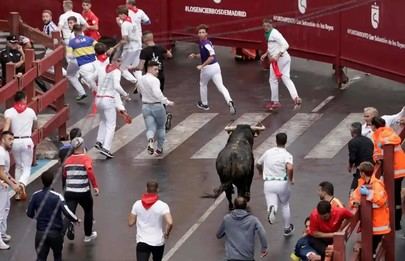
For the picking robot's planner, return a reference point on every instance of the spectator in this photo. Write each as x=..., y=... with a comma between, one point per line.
x=324, y=222
x=382, y=136
x=91, y=19
x=240, y=229
x=22, y=121
x=13, y=53
x=377, y=195
x=47, y=206
x=49, y=25
x=393, y=121
x=326, y=192
x=276, y=166
x=6, y=181
x=77, y=176
x=303, y=250
x=360, y=149
x=148, y=214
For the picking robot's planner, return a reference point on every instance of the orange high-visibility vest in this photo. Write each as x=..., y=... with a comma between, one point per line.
x=386, y=135
x=381, y=214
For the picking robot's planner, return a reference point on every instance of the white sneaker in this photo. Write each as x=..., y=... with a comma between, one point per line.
x=3, y=246
x=271, y=214
x=6, y=238
x=91, y=237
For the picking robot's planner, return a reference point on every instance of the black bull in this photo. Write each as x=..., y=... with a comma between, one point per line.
x=235, y=163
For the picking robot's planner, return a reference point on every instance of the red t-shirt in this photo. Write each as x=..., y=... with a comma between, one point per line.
x=91, y=19
x=332, y=225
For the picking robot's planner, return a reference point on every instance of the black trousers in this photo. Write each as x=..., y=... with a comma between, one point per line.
x=143, y=252
x=376, y=241
x=355, y=181
x=398, y=203
x=85, y=200
x=320, y=244
x=44, y=242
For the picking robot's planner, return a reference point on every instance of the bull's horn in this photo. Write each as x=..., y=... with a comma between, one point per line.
x=230, y=128
x=258, y=128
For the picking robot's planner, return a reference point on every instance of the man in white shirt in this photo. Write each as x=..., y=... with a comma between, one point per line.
x=148, y=214
x=153, y=111
x=63, y=21
x=21, y=120
x=138, y=17
x=130, y=43
x=280, y=62
x=109, y=88
x=6, y=181
x=276, y=167
x=392, y=121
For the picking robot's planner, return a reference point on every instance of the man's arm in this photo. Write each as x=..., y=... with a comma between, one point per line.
x=9, y=180
x=319, y=234
x=262, y=236
x=66, y=211
x=221, y=230
x=7, y=124
x=141, y=65
x=290, y=172
x=32, y=207
x=169, y=224
x=131, y=219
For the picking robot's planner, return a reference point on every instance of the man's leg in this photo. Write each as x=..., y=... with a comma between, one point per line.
x=71, y=202
x=273, y=81
x=284, y=198
x=87, y=72
x=110, y=115
x=27, y=154
x=4, y=209
x=271, y=200
x=41, y=246
x=17, y=151
x=143, y=252
x=159, y=114
x=149, y=121
x=86, y=202
x=217, y=79
x=55, y=240
x=72, y=74
x=398, y=203
x=284, y=63
x=320, y=244
x=127, y=59
x=157, y=252
x=205, y=77
x=102, y=126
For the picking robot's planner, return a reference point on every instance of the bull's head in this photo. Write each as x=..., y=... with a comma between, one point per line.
x=256, y=129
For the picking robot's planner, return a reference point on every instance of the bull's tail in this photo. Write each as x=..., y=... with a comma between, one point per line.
x=217, y=191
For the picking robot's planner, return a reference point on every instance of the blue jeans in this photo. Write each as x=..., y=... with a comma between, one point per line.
x=302, y=248
x=155, y=120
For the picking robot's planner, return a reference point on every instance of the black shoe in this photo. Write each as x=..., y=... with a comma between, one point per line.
x=150, y=148
x=203, y=106
x=106, y=153
x=232, y=109
x=169, y=117
x=158, y=152
x=70, y=231
x=98, y=146
x=81, y=97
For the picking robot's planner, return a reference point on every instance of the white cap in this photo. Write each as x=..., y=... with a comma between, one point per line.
x=77, y=142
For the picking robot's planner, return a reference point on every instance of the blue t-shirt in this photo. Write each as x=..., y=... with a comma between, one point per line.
x=83, y=49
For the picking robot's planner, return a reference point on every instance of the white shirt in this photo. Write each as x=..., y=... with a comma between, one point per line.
x=149, y=88
x=21, y=123
x=149, y=222
x=109, y=83
x=63, y=23
x=392, y=121
x=276, y=43
x=138, y=19
x=130, y=30
x=274, y=163
x=4, y=160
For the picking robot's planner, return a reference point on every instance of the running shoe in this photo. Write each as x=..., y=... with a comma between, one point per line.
x=232, y=109
x=106, y=153
x=98, y=146
x=274, y=106
x=297, y=103
x=6, y=238
x=271, y=214
x=158, y=152
x=150, y=148
x=289, y=231
x=81, y=97
x=93, y=236
x=203, y=106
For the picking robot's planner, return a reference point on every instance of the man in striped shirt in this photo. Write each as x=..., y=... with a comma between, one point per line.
x=49, y=25
x=77, y=176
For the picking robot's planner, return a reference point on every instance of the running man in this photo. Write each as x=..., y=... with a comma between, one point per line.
x=276, y=167
x=91, y=19
x=210, y=70
x=280, y=62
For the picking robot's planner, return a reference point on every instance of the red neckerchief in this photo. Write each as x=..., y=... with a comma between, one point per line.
x=148, y=199
x=111, y=67
x=128, y=19
x=20, y=106
x=133, y=8
x=102, y=57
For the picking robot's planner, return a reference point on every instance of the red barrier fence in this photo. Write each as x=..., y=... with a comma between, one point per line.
x=34, y=69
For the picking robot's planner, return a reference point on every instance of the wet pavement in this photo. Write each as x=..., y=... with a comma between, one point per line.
x=184, y=180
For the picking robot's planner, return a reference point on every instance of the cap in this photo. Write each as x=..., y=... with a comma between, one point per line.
x=24, y=40
x=77, y=142
x=12, y=39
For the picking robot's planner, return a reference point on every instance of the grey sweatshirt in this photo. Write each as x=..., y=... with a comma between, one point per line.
x=240, y=228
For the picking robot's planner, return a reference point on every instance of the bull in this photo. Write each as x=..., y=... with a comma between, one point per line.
x=235, y=162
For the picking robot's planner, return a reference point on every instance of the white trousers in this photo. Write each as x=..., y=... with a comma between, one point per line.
x=212, y=72
x=108, y=120
x=4, y=209
x=277, y=192
x=23, y=152
x=129, y=58
x=87, y=71
x=284, y=63
x=52, y=69
x=72, y=74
